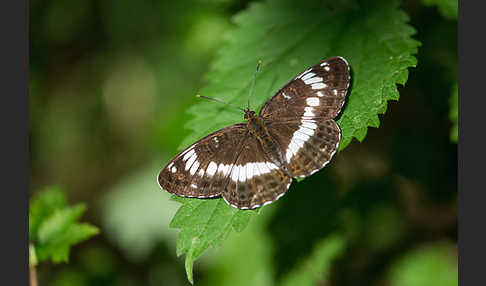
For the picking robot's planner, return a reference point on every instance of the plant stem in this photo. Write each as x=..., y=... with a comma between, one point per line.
x=33, y=275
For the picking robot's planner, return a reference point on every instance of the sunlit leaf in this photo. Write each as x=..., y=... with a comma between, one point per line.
x=289, y=36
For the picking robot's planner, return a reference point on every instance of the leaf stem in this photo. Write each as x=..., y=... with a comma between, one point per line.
x=33, y=275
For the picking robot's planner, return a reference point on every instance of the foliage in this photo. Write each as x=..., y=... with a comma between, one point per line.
x=253, y=246
x=448, y=8
x=53, y=227
x=204, y=223
x=110, y=85
x=288, y=36
x=431, y=264
x=316, y=269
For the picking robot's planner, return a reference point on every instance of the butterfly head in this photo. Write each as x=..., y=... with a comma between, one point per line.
x=249, y=114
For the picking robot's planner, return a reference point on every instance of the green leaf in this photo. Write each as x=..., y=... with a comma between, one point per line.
x=453, y=113
x=315, y=269
x=289, y=36
x=254, y=246
x=53, y=227
x=58, y=249
x=204, y=223
x=432, y=264
x=448, y=8
x=58, y=222
x=42, y=205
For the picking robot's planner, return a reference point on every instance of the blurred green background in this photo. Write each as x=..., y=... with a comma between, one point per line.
x=109, y=83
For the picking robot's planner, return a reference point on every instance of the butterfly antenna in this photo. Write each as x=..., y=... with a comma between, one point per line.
x=220, y=101
x=253, y=82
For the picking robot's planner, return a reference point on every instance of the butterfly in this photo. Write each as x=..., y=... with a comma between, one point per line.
x=252, y=164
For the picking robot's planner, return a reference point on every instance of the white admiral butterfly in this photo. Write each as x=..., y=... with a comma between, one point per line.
x=252, y=164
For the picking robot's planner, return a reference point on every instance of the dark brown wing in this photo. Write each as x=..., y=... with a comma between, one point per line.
x=202, y=169
x=318, y=92
x=307, y=145
x=300, y=115
x=254, y=181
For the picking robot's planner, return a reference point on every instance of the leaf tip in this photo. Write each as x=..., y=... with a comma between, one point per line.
x=189, y=265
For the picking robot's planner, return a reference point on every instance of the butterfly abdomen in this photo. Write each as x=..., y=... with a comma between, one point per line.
x=270, y=147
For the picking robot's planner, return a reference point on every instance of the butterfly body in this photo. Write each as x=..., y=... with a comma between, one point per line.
x=257, y=127
x=252, y=164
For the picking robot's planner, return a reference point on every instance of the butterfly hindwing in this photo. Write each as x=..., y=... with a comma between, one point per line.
x=307, y=145
x=202, y=169
x=318, y=92
x=254, y=180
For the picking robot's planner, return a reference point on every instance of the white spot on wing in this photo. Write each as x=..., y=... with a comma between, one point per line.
x=222, y=168
x=201, y=173
x=249, y=170
x=319, y=85
x=263, y=168
x=258, y=168
x=234, y=173
x=174, y=169
x=190, y=161
x=299, y=142
x=292, y=150
x=271, y=166
x=303, y=73
x=286, y=96
x=307, y=76
x=255, y=171
x=308, y=111
x=227, y=169
x=305, y=131
x=302, y=134
x=313, y=80
x=313, y=101
x=194, y=168
x=188, y=154
x=242, y=173
x=309, y=124
x=327, y=68
x=212, y=168
x=170, y=165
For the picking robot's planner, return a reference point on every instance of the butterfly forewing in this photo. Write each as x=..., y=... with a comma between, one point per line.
x=202, y=169
x=317, y=92
x=254, y=180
